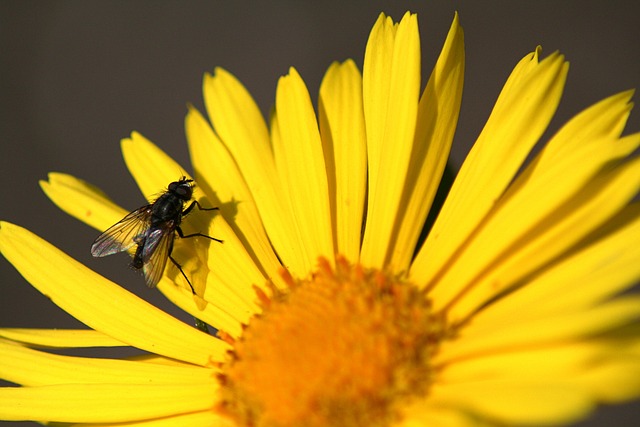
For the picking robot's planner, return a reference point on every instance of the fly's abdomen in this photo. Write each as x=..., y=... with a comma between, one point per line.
x=136, y=261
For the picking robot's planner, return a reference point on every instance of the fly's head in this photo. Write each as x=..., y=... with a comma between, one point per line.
x=182, y=188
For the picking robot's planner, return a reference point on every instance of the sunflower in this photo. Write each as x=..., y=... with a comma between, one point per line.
x=330, y=308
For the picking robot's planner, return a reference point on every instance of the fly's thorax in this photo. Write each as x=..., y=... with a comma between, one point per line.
x=168, y=207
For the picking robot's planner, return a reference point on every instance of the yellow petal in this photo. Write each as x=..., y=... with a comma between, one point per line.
x=613, y=382
x=219, y=177
x=196, y=419
x=103, y=402
x=436, y=123
x=519, y=117
x=391, y=85
x=151, y=168
x=237, y=120
x=82, y=200
x=546, y=181
x=590, y=276
x=520, y=72
x=158, y=360
x=301, y=160
x=424, y=412
x=29, y=367
x=551, y=363
x=239, y=124
x=343, y=137
x=590, y=130
x=482, y=338
x=510, y=402
x=604, y=120
x=101, y=304
x=607, y=370
x=545, y=237
x=60, y=338
x=228, y=277
x=217, y=312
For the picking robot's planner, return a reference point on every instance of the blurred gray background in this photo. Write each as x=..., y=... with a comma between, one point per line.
x=77, y=76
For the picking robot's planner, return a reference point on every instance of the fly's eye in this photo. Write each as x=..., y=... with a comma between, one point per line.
x=184, y=191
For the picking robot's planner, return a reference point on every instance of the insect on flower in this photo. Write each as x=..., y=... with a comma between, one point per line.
x=152, y=227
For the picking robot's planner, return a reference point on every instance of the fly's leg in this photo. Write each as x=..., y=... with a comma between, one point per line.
x=199, y=235
x=199, y=323
x=186, y=236
x=186, y=212
x=183, y=236
x=200, y=208
x=183, y=275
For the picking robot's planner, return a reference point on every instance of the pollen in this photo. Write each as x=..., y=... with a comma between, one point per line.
x=346, y=347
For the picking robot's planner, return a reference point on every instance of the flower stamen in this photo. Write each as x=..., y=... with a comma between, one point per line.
x=344, y=347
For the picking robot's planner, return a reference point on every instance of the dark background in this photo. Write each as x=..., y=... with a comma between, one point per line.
x=77, y=76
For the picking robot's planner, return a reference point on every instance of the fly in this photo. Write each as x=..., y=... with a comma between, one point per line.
x=153, y=228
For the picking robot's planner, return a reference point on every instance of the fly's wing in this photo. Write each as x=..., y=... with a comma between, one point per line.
x=156, y=251
x=124, y=234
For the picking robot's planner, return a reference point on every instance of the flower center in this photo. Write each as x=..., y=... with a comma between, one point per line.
x=344, y=348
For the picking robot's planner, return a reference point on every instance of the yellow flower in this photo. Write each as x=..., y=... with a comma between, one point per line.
x=330, y=310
